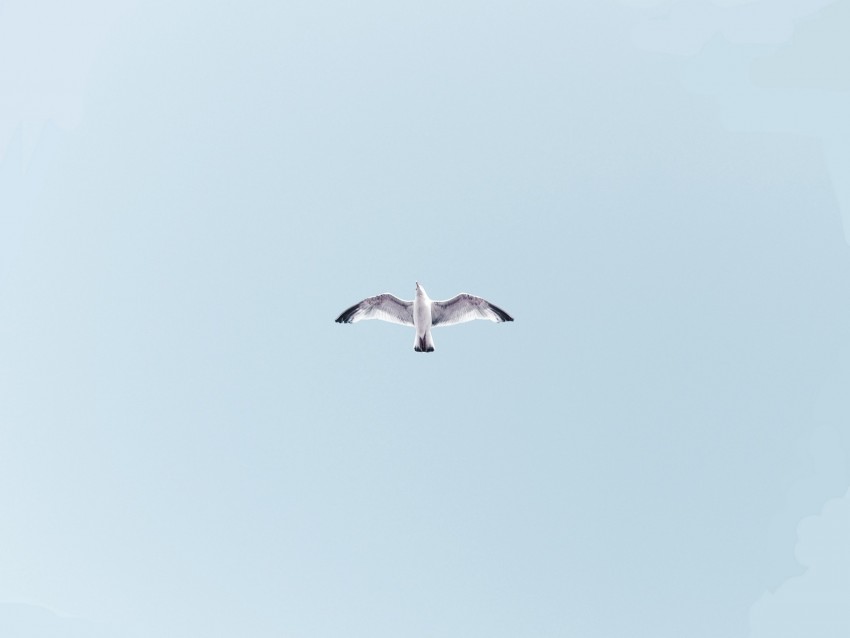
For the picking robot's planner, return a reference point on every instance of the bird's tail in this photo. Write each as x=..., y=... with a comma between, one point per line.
x=424, y=343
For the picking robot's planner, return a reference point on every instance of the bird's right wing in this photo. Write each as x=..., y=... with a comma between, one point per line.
x=465, y=307
x=385, y=307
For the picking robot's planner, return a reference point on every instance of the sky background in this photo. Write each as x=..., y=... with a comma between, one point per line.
x=657, y=191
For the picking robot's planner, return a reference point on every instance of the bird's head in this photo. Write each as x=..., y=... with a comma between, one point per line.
x=419, y=288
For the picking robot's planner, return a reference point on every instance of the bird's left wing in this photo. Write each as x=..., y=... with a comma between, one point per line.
x=385, y=307
x=465, y=307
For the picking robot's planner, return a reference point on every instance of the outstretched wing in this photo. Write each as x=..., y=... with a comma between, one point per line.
x=463, y=308
x=385, y=307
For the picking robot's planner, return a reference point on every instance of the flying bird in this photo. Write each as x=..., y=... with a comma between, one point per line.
x=423, y=313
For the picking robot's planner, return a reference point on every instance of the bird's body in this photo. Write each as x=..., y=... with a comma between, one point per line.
x=422, y=313
x=422, y=321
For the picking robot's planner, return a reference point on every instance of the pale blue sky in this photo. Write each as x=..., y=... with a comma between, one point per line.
x=657, y=446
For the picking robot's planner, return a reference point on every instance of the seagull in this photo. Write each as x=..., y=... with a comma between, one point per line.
x=423, y=313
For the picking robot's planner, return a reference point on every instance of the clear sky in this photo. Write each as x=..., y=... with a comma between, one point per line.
x=191, y=192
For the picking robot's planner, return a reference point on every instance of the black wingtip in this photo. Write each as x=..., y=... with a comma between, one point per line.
x=503, y=316
x=346, y=315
